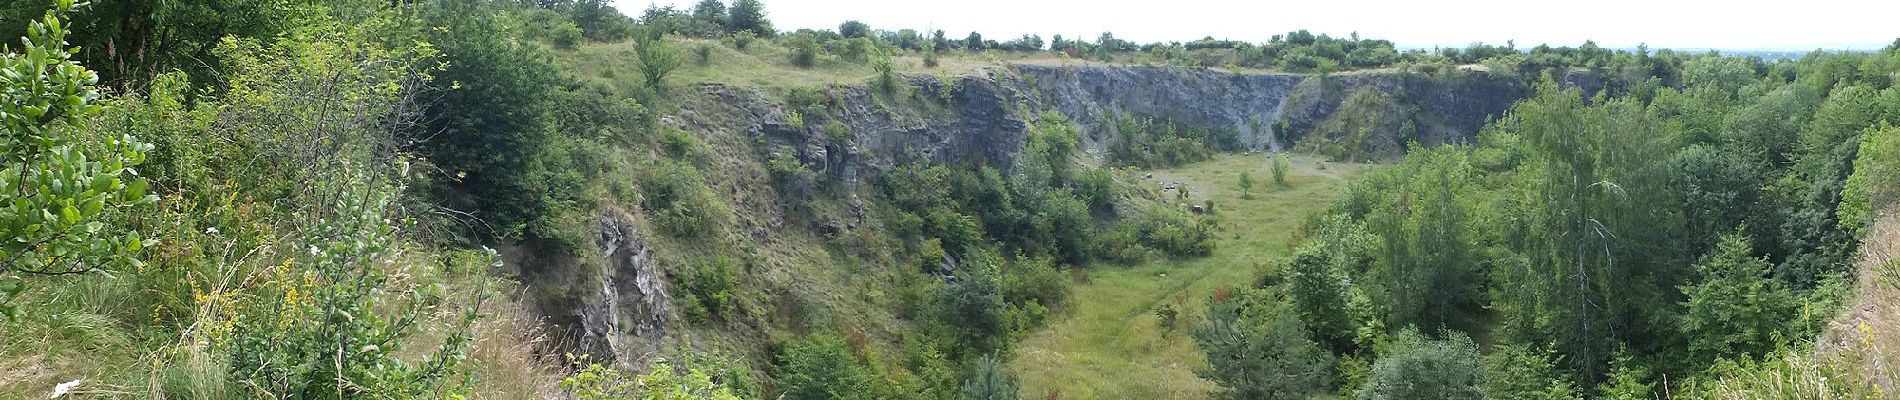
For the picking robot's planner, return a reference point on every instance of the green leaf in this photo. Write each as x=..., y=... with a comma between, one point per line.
x=69, y=214
x=135, y=189
x=92, y=207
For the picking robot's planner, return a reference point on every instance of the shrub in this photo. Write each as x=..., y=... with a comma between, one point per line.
x=1874, y=185
x=1246, y=184
x=837, y=131
x=704, y=51
x=657, y=57
x=58, y=190
x=707, y=285
x=886, y=76
x=804, y=50
x=821, y=367
x=1280, y=166
x=1416, y=367
x=743, y=39
x=285, y=340
x=662, y=381
x=1257, y=350
x=989, y=381
x=675, y=196
x=857, y=50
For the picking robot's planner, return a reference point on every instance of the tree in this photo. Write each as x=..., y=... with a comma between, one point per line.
x=60, y=188
x=1246, y=184
x=821, y=367
x=749, y=16
x=805, y=50
x=989, y=381
x=491, y=127
x=974, y=305
x=1735, y=309
x=1316, y=282
x=974, y=42
x=854, y=29
x=1416, y=367
x=710, y=16
x=1875, y=184
x=657, y=58
x=128, y=43
x=1258, y=350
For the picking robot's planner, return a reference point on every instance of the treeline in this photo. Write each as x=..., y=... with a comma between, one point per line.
x=1633, y=246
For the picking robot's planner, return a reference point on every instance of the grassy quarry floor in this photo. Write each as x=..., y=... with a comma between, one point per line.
x=1109, y=344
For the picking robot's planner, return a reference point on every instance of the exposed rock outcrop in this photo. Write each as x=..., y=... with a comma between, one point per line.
x=1247, y=103
x=612, y=302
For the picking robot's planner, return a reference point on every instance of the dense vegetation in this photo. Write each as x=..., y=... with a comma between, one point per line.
x=1600, y=244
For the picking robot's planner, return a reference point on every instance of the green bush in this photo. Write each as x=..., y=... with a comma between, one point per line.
x=1416, y=367
x=1875, y=184
x=805, y=50
x=658, y=58
x=1256, y=349
x=989, y=381
x=58, y=188
x=1280, y=166
x=822, y=367
x=886, y=80
x=662, y=381
x=707, y=286
x=676, y=197
x=743, y=39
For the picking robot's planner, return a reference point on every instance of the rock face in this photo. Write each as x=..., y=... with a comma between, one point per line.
x=1247, y=103
x=1448, y=109
x=610, y=303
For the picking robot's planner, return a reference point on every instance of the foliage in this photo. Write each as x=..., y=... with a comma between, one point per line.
x=805, y=50
x=1875, y=184
x=331, y=327
x=662, y=381
x=821, y=367
x=1736, y=309
x=749, y=16
x=1519, y=372
x=675, y=195
x=989, y=381
x=974, y=305
x=1147, y=143
x=61, y=186
x=1256, y=349
x=657, y=58
x=1317, y=281
x=1416, y=367
x=1246, y=184
x=707, y=289
x=132, y=42
x=1280, y=165
x=490, y=127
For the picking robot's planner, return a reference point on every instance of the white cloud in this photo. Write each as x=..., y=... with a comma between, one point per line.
x=1612, y=23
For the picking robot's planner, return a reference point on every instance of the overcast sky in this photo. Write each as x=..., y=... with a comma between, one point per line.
x=1778, y=25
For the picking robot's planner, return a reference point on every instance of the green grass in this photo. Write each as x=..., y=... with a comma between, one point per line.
x=1109, y=344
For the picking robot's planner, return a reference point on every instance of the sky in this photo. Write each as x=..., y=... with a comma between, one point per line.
x=1739, y=25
